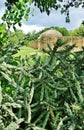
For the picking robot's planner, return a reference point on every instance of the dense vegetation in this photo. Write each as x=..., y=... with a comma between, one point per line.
x=42, y=95
x=79, y=31
x=39, y=94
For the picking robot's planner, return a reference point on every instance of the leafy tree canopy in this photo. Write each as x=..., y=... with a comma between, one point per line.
x=44, y=5
x=16, y=36
x=17, y=9
x=79, y=31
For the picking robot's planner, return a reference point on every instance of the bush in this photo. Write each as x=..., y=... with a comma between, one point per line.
x=78, y=32
x=46, y=95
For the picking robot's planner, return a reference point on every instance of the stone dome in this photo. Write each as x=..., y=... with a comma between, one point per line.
x=50, y=33
x=48, y=37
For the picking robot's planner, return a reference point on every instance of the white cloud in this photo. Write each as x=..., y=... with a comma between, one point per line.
x=29, y=28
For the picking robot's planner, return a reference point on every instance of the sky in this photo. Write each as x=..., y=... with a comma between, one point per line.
x=41, y=20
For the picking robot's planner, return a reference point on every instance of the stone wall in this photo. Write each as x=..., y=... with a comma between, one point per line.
x=42, y=43
x=79, y=41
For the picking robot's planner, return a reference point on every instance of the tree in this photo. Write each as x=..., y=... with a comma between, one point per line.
x=17, y=9
x=3, y=34
x=63, y=30
x=79, y=31
x=44, y=5
x=16, y=36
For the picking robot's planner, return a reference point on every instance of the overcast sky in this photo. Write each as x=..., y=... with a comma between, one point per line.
x=41, y=20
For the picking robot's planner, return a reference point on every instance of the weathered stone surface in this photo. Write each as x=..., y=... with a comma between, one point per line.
x=50, y=37
x=79, y=41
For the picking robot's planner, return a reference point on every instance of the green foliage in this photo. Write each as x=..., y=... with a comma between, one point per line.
x=16, y=36
x=2, y=28
x=15, y=12
x=32, y=36
x=79, y=31
x=3, y=34
x=44, y=95
x=19, y=9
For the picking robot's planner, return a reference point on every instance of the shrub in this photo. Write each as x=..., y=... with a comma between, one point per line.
x=46, y=95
